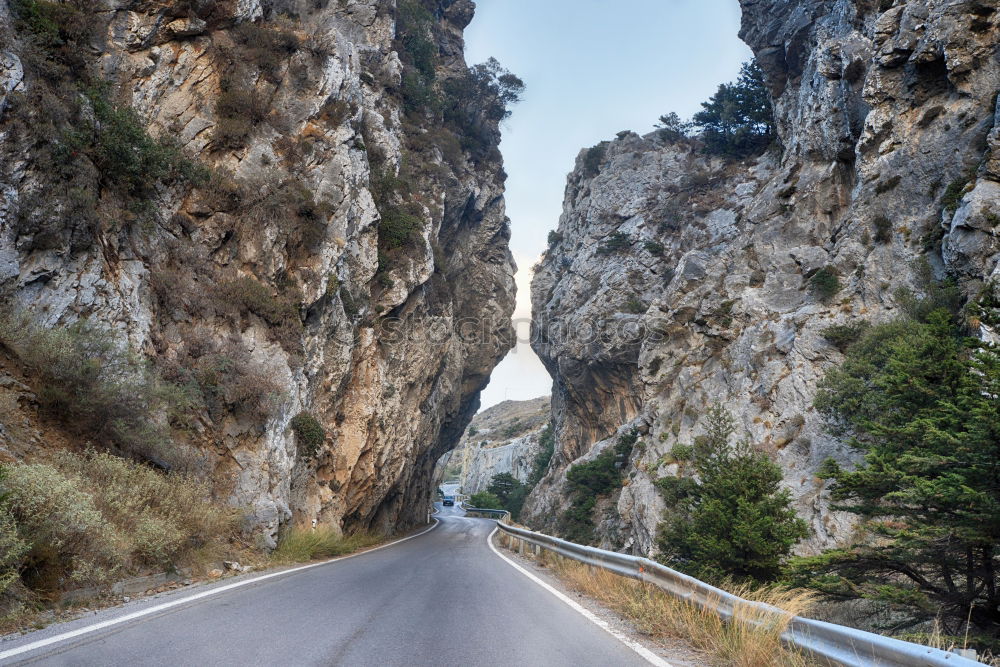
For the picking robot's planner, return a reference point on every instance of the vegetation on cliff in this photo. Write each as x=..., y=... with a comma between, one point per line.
x=590, y=480
x=919, y=398
x=732, y=520
x=86, y=519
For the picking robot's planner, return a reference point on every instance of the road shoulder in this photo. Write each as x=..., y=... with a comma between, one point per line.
x=675, y=651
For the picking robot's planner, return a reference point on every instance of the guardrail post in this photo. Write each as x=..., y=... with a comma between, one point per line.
x=520, y=546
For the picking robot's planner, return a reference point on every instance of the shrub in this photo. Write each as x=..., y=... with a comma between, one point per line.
x=635, y=306
x=883, y=229
x=734, y=520
x=842, y=336
x=399, y=227
x=160, y=518
x=952, y=197
x=12, y=547
x=555, y=238
x=221, y=376
x=654, y=248
x=593, y=159
x=61, y=29
x=281, y=311
x=547, y=447
x=239, y=111
x=88, y=518
x=485, y=500
x=615, y=242
x=824, y=283
x=587, y=481
x=127, y=158
x=681, y=452
x=300, y=545
x=94, y=385
x=309, y=433
x=265, y=46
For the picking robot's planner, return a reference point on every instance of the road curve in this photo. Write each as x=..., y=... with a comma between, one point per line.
x=443, y=598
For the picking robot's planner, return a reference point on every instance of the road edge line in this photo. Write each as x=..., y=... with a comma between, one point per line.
x=79, y=632
x=644, y=652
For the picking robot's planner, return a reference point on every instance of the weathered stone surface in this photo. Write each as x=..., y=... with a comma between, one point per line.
x=390, y=404
x=877, y=112
x=503, y=439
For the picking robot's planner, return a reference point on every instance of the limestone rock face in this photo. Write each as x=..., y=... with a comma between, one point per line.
x=678, y=280
x=506, y=438
x=368, y=343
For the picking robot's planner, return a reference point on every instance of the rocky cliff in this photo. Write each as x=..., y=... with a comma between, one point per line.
x=677, y=279
x=289, y=208
x=505, y=438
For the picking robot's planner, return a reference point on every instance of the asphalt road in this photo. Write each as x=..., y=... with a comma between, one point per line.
x=442, y=598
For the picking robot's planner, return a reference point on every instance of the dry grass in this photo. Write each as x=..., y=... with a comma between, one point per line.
x=301, y=545
x=750, y=639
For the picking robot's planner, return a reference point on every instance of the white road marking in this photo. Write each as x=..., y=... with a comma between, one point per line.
x=646, y=654
x=42, y=643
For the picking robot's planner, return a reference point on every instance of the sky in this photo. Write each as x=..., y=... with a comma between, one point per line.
x=592, y=68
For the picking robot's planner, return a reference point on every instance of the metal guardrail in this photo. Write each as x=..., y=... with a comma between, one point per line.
x=827, y=643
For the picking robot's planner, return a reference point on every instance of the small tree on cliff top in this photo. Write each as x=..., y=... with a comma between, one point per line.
x=738, y=120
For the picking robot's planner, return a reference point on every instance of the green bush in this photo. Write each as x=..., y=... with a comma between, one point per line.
x=547, y=447
x=63, y=30
x=12, y=547
x=89, y=518
x=594, y=158
x=681, y=452
x=842, y=336
x=486, y=501
x=952, y=197
x=824, y=283
x=654, y=248
x=95, y=386
x=734, y=520
x=309, y=433
x=128, y=160
x=635, y=306
x=555, y=238
x=250, y=295
x=883, y=229
x=418, y=53
x=399, y=227
x=222, y=377
x=615, y=242
x=597, y=477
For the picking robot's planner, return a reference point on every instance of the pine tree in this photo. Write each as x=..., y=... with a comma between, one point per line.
x=733, y=520
x=922, y=402
x=739, y=119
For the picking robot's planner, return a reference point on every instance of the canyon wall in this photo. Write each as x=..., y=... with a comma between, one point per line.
x=505, y=438
x=339, y=256
x=677, y=279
